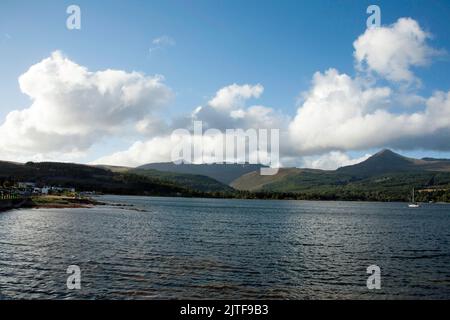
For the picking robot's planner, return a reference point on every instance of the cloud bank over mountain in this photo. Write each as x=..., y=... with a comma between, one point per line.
x=339, y=113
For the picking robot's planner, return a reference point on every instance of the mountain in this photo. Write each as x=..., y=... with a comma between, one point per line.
x=254, y=181
x=381, y=162
x=191, y=181
x=387, y=161
x=384, y=176
x=224, y=173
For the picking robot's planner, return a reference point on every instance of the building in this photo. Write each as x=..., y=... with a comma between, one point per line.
x=26, y=185
x=61, y=189
x=44, y=190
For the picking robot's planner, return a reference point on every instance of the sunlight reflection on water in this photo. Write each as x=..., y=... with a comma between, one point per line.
x=226, y=249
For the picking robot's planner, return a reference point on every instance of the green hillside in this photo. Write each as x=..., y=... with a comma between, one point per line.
x=385, y=176
x=190, y=181
x=254, y=181
x=88, y=178
x=224, y=173
x=387, y=161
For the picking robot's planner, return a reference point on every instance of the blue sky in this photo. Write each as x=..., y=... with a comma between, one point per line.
x=279, y=44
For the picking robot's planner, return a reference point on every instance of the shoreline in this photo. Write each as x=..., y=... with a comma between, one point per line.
x=50, y=202
x=66, y=202
x=272, y=199
x=9, y=204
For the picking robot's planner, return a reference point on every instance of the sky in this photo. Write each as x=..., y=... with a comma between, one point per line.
x=113, y=91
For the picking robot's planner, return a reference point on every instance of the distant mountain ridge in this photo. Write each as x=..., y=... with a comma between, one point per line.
x=385, y=171
x=385, y=176
x=224, y=173
x=435, y=159
x=192, y=181
x=387, y=161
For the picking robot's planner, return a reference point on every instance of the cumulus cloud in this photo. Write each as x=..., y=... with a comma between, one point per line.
x=335, y=114
x=183, y=146
x=151, y=126
x=233, y=96
x=72, y=107
x=226, y=110
x=340, y=114
x=392, y=51
x=157, y=149
x=161, y=149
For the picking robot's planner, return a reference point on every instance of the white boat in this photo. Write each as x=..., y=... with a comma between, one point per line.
x=413, y=204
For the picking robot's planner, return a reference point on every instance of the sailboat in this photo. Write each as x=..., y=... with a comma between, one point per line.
x=413, y=204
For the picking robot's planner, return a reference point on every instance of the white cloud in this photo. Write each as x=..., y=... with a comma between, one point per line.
x=340, y=114
x=72, y=108
x=393, y=50
x=332, y=161
x=226, y=110
x=152, y=126
x=333, y=112
x=408, y=99
x=209, y=147
x=233, y=96
x=162, y=42
x=344, y=113
x=157, y=149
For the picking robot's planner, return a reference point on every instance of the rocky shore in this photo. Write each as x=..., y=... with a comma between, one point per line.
x=49, y=202
x=8, y=204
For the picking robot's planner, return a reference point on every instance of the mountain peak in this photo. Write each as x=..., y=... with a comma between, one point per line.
x=387, y=153
x=382, y=162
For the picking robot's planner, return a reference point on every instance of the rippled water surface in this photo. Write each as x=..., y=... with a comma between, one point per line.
x=162, y=248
